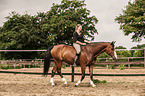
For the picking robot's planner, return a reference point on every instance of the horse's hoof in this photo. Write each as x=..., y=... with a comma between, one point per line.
x=93, y=86
x=65, y=83
x=53, y=84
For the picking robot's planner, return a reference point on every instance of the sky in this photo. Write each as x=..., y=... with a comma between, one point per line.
x=105, y=11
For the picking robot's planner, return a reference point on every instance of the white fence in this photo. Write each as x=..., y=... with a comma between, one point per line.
x=98, y=58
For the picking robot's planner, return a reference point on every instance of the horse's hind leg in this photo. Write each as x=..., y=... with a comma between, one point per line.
x=59, y=71
x=53, y=73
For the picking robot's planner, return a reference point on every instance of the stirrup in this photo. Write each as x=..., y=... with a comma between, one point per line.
x=74, y=64
x=75, y=60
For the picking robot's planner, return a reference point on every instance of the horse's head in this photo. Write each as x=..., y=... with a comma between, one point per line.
x=110, y=50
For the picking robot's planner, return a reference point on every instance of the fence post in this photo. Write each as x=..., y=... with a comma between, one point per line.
x=107, y=66
x=72, y=78
x=144, y=57
x=128, y=64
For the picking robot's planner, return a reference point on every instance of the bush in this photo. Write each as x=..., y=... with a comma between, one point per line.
x=6, y=66
x=18, y=67
x=95, y=81
x=121, y=67
x=111, y=66
x=36, y=66
x=63, y=66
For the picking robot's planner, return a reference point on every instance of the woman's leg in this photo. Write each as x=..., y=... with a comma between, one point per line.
x=78, y=49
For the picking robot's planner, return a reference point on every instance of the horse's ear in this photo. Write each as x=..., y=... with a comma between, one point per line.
x=113, y=42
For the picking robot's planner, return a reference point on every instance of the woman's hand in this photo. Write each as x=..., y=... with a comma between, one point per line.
x=84, y=44
x=78, y=42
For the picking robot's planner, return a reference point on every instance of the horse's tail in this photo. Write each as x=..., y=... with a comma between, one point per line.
x=47, y=60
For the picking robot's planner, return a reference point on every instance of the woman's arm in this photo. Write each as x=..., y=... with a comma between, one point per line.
x=78, y=42
x=87, y=41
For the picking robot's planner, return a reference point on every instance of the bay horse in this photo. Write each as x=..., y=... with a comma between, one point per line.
x=67, y=53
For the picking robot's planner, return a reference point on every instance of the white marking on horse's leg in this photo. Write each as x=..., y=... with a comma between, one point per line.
x=78, y=83
x=115, y=54
x=52, y=82
x=91, y=82
x=63, y=79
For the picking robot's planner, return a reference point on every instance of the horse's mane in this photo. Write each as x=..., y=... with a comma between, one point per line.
x=100, y=42
x=96, y=43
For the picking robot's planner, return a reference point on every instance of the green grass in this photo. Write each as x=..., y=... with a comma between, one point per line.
x=6, y=66
x=98, y=81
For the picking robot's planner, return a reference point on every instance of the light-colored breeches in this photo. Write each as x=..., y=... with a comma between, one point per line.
x=77, y=47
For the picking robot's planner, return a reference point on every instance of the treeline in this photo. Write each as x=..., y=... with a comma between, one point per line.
x=56, y=26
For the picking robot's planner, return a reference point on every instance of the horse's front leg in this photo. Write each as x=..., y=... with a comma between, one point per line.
x=91, y=75
x=83, y=68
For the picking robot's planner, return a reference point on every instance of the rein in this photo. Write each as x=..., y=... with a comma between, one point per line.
x=96, y=56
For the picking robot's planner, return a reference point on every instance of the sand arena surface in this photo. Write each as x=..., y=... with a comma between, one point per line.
x=37, y=85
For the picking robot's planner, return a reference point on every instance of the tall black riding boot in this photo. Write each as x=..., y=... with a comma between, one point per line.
x=75, y=60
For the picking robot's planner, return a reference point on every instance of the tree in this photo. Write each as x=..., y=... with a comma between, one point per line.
x=132, y=21
x=120, y=47
x=138, y=53
x=122, y=53
x=42, y=30
x=61, y=20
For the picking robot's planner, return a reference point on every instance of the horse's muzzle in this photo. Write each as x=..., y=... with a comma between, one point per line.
x=114, y=58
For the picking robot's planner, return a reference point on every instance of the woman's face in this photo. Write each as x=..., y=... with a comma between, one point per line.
x=80, y=28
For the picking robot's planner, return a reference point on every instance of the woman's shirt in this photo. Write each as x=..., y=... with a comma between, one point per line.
x=77, y=37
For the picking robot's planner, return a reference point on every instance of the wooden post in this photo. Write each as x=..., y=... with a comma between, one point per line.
x=0, y=56
x=128, y=64
x=144, y=57
x=72, y=79
x=14, y=66
x=107, y=66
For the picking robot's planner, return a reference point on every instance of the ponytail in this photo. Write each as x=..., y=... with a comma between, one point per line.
x=77, y=27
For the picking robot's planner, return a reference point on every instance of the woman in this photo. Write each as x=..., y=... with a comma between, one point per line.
x=78, y=40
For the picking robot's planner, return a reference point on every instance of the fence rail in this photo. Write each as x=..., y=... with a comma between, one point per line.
x=23, y=50
x=40, y=63
x=97, y=63
x=73, y=67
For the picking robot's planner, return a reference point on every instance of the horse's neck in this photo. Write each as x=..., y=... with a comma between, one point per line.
x=97, y=49
x=100, y=48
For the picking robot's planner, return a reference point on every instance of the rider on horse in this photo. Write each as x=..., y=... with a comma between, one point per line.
x=78, y=40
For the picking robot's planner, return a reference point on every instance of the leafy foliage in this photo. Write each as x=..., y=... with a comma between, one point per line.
x=132, y=21
x=139, y=53
x=122, y=67
x=120, y=47
x=123, y=53
x=95, y=81
x=42, y=30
